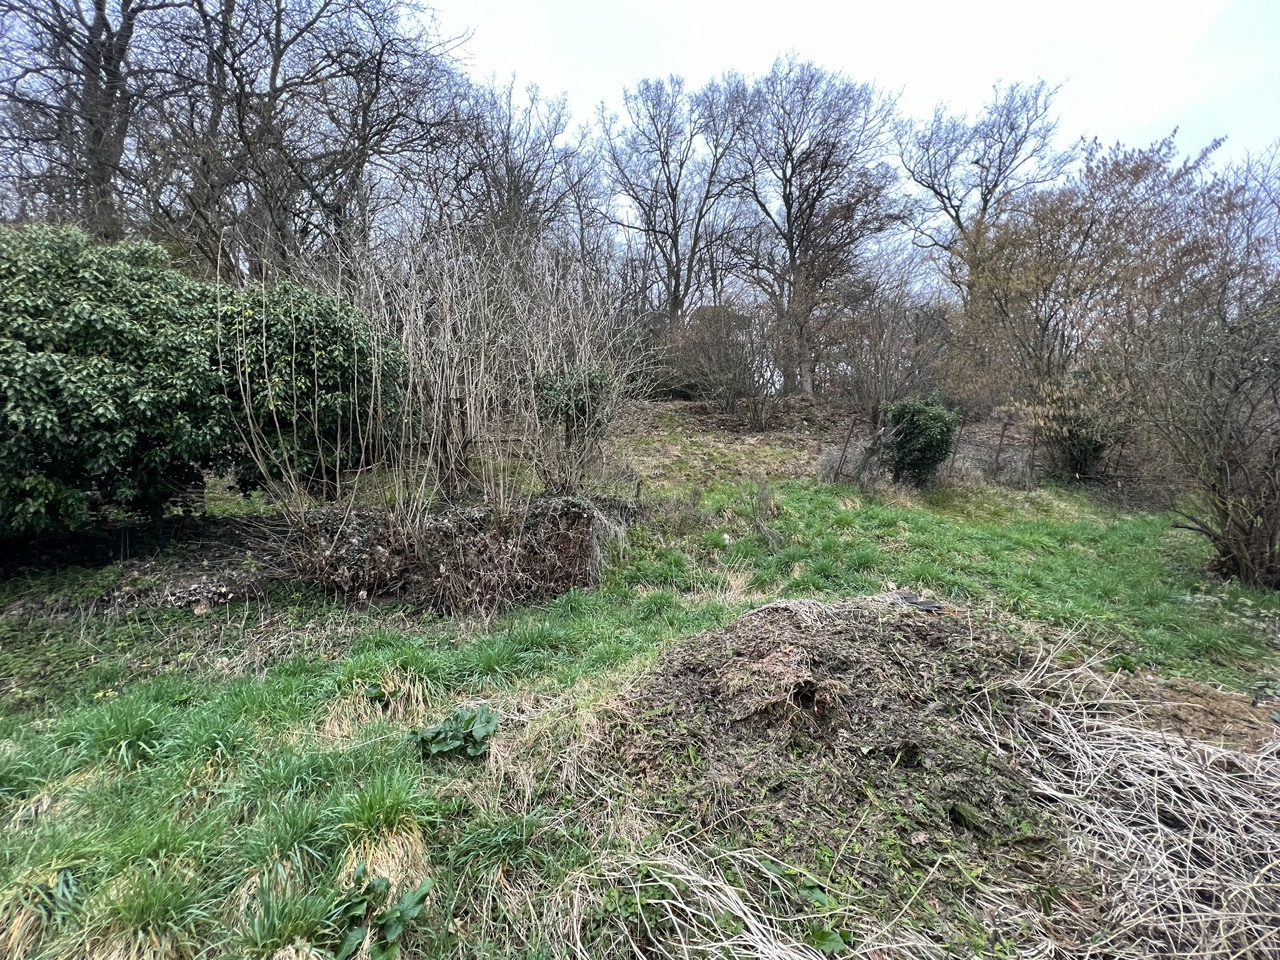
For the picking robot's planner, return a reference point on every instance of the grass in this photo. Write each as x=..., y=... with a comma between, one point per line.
x=1126, y=583
x=159, y=800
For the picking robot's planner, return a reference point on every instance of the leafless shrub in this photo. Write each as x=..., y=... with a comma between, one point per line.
x=1206, y=372
x=515, y=361
x=892, y=341
x=725, y=355
x=678, y=515
x=1214, y=398
x=1079, y=421
x=505, y=365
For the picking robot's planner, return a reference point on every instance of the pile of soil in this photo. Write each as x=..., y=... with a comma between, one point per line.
x=857, y=742
x=831, y=737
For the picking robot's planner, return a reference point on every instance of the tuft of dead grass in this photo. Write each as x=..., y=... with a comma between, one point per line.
x=402, y=857
x=396, y=697
x=1189, y=831
x=22, y=926
x=681, y=903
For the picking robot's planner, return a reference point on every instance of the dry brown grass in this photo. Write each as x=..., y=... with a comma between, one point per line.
x=1188, y=830
x=403, y=857
x=695, y=906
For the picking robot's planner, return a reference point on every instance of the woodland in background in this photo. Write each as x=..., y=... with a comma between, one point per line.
x=516, y=276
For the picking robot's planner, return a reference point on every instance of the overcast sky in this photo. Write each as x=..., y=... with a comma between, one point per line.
x=1130, y=70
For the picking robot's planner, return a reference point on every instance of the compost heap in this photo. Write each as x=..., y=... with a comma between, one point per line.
x=952, y=781
x=460, y=561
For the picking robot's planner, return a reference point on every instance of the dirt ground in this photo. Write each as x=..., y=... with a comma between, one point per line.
x=1189, y=710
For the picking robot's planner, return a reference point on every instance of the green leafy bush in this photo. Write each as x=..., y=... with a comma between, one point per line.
x=122, y=380
x=108, y=397
x=577, y=402
x=922, y=435
x=574, y=411
x=365, y=920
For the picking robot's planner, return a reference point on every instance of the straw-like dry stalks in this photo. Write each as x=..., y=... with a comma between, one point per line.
x=1190, y=831
x=680, y=904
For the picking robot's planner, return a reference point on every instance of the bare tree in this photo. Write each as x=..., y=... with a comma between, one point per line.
x=523, y=167
x=248, y=134
x=1207, y=375
x=74, y=75
x=892, y=341
x=816, y=189
x=327, y=114
x=973, y=173
x=978, y=179
x=668, y=164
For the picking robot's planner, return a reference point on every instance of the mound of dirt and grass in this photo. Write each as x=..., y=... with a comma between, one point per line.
x=934, y=780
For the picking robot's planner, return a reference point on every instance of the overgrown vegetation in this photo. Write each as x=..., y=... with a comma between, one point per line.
x=125, y=381
x=287, y=740
x=495, y=662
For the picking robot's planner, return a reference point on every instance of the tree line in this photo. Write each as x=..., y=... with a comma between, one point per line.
x=790, y=233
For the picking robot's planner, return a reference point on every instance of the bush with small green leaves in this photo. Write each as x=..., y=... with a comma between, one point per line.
x=920, y=439
x=574, y=410
x=108, y=396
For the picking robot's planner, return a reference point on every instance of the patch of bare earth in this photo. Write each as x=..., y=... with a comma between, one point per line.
x=1188, y=711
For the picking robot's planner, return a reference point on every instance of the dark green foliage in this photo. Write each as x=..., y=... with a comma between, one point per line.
x=577, y=400
x=108, y=397
x=922, y=435
x=305, y=381
x=361, y=917
x=466, y=732
x=121, y=380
